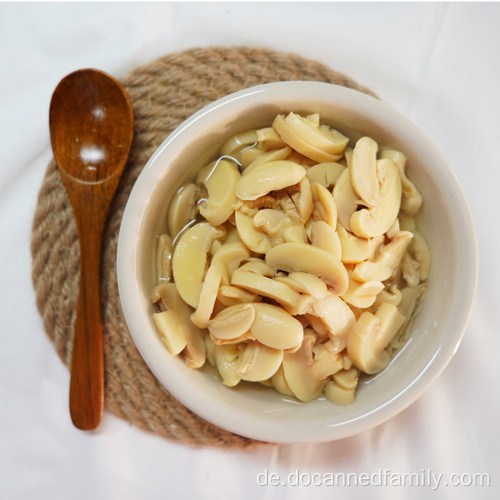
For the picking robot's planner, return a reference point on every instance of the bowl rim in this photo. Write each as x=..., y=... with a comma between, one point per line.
x=129, y=293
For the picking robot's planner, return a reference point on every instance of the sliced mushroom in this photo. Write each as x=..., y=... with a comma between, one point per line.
x=230, y=295
x=267, y=287
x=323, y=236
x=362, y=294
x=291, y=257
x=338, y=395
x=297, y=370
x=274, y=327
x=232, y=322
x=296, y=142
x=279, y=382
x=303, y=200
x=230, y=255
x=326, y=173
x=268, y=177
x=268, y=138
x=254, y=239
x=164, y=258
x=392, y=294
x=238, y=140
x=371, y=222
x=273, y=223
x=364, y=171
x=227, y=358
x=257, y=266
x=355, y=249
x=220, y=184
x=372, y=333
x=306, y=283
x=346, y=199
x=190, y=259
x=259, y=362
x=321, y=137
x=386, y=262
x=420, y=251
x=326, y=361
x=173, y=324
x=182, y=209
x=411, y=198
x=325, y=208
x=295, y=234
x=269, y=156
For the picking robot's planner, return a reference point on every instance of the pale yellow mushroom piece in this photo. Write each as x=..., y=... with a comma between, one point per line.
x=364, y=171
x=230, y=255
x=291, y=257
x=182, y=209
x=268, y=139
x=321, y=137
x=258, y=362
x=273, y=223
x=387, y=261
x=372, y=333
x=270, y=176
x=247, y=155
x=371, y=222
x=342, y=389
x=297, y=370
x=346, y=199
x=392, y=294
x=326, y=361
x=237, y=141
x=305, y=283
x=337, y=317
x=296, y=142
x=164, y=258
x=326, y=173
x=190, y=260
x=229, y=295
x=220, y=184
x=227, y=358
x=279, y=382
x=411, y=198
x=273, y=155
x=254, y=239
x=257, y=266
x=420, y=251
x=295, y=234
x=355, y=249
x=324, y=236
x=232, y=322
x=362, y=294
x=267, y=287
x=303, y=200
x=325, y=208
x=276, y=328
x=175, y=328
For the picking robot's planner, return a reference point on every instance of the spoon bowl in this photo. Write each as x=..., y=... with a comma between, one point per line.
x=91, y=129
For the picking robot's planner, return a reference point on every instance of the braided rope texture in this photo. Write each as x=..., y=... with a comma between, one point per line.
x=164, y=93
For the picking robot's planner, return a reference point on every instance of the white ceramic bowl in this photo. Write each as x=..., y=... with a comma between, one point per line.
x=262, y=413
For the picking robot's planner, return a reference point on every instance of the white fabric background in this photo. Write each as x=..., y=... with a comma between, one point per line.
x=435, y=63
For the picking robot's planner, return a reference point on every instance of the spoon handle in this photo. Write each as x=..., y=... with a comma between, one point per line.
x=86, y=397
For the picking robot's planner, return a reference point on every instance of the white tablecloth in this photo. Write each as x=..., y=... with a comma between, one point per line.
x=435, y=63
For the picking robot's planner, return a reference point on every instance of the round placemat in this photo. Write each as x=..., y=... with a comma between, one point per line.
x=164, y=93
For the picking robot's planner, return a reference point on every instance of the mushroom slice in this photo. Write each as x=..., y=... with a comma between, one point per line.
x=386, y=262
x=370, y=222
x=347, y=379
x=274, y=327
x=307, y=283
x=421, y=253
x=296, y=142
x=232, y=322
x=326, y=361
x=392, y=295
x=337, y=317
x=271, y=222
x=295, y=234
x=230, y=255
x=346, y=199
x=217, y=273
x=326, y=173
x=220, y=184
x=255, y=240
x=274, y=155
x=355, y=249
x=173, y=324
x=279, y=382
x=325, y=208
x=297, y=370
x=364, y=171
x=227, y=358
x=372, y=333
x=190, y=259
x=229, y=295
x=268, y=138
x=303, y=200
x=238, y=140
x=411, y=200
x=266, y=287
x=291, y=257
x=362, y=295
x=338, y=395
x=321, y=137
x=270, y=176
x=164, y=258
x=257, y=266
x=182, y=209
x=259, y=362
x=323, y=236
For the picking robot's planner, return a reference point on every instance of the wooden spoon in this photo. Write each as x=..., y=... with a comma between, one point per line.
x=91, y=129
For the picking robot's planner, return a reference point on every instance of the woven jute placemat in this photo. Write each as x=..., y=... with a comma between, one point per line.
x=164, y=93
